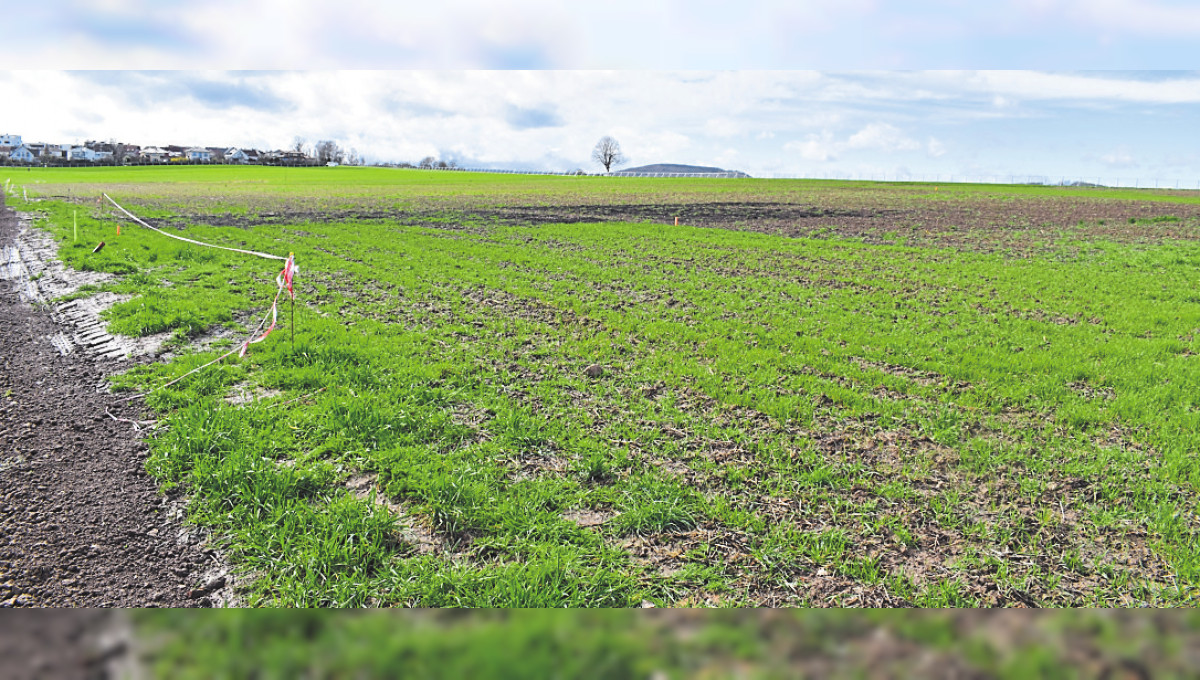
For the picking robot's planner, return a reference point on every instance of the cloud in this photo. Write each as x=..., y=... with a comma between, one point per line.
x=218, y=92
x=882, y=137
x=877, y=137
x=1178, y=88
x=820, y=148
x=400, y=107
x=546, y=34
x=522, y=118
x=723, y=127
x=145, y=25
x=1120, y=158
x=1120, y=17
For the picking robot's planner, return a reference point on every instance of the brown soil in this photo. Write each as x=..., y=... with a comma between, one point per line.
x=981, y=222
x=81, y=523
x=65, y=645
x=977, y=224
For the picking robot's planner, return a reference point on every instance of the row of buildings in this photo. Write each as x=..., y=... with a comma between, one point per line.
x=15, y=151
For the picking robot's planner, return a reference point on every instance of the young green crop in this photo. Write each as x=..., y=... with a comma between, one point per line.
x=670, y=644
x=772, y=420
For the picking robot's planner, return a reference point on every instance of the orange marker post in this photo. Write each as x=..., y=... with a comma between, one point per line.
x=677, y=220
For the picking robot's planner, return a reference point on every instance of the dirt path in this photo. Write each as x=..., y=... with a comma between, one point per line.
x=81, y=523
x=84, y=644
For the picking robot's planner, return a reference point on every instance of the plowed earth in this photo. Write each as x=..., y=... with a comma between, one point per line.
x=985, y=225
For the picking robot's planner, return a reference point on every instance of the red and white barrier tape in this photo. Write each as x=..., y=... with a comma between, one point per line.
x=135, y=218
x=283, y=280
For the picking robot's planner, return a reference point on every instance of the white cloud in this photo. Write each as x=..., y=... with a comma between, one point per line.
x=820, y=148
x=706, y=34
x=874, y=137
x=723, y=127
x=882, y=137
x=1120, y=17
x=1032, y=85
x=1120, y=158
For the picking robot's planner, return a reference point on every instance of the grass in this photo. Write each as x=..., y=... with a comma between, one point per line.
x=841, y=420
x=664, y=644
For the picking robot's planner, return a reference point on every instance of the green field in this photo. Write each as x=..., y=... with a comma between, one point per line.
x=662, y=644
x=512, y=391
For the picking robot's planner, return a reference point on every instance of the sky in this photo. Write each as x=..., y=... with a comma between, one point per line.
x=1073, y=89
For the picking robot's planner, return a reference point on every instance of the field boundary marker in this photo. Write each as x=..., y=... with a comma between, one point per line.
x=137, y=219
x=282, y=280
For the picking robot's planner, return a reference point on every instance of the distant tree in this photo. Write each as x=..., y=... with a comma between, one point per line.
x=118, y=151
x=608, y=153
x=328, y=151
x=297, y=144
x=427, y=163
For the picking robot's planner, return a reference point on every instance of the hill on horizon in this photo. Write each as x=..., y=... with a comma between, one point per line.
x=678, y=168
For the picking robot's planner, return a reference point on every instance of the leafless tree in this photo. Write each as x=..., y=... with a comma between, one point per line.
x=298, y=144
x=118, y=151
x=328, y=151
x=608, y=153
x=427, y=163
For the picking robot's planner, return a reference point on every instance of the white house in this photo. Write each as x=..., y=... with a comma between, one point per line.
x=153, y=154
x=23, y=154
x=235, y=155
x=199, y=153
x=80, y=153
x=10, y=140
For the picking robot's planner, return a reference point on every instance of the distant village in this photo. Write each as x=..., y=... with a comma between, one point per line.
x=15, y=151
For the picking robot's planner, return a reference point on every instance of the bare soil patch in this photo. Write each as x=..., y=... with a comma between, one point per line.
x=976, y=222
x=81, y=523
x=67, y=645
